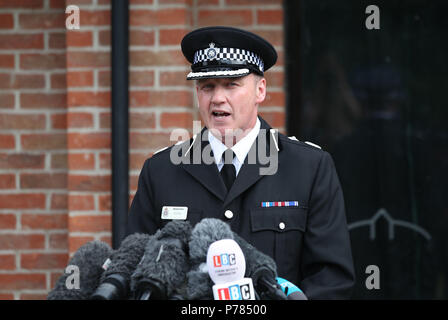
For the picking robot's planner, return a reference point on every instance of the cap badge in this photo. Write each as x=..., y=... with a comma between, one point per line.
x=211, y=51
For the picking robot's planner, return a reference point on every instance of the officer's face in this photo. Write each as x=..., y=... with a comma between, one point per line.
x=230, y=105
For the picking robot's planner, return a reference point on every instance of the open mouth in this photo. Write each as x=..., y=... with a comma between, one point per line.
x=220, y=114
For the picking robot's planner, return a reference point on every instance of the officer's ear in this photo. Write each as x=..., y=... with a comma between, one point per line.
x=260, y=88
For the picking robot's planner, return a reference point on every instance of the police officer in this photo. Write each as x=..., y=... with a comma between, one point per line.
x=281, y=195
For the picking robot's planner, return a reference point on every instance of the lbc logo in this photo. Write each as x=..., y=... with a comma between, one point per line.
x=235, y=292
x=224, y=260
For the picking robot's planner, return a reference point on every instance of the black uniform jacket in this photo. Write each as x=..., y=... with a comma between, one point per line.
x=309, y=241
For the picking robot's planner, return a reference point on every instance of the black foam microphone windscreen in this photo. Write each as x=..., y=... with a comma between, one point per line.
x=207, y=231
x=86, y=264
x=164, y=264
x=115, y=280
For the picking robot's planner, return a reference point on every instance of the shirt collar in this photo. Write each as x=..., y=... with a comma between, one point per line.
x=241, y=148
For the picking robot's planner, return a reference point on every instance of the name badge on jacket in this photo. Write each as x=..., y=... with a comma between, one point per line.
x=174, y=213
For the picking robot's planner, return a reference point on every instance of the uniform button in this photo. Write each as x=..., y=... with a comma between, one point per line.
x=228, y=214
x=281, y=225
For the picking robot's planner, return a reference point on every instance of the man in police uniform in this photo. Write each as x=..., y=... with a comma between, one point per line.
x=281, y=195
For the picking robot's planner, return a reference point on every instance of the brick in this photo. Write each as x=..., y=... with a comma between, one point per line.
x=28, y=81
x=160, y=58
x=95, y=18
x=22, y=281
x=79, y=38
x=75, y=242
x=36, y=20
x=81, y=161
x=43, y=260
x=7, y=221
x=275, y=78
x=22, y=121
x=171, y=36
x=141, y=78
x=43, y=100
x=174, y=16
x=7, y=141
x=276, y=99
x=7, y=261
x=22, y=201
x=89, y=140
x=79, y=78
x=7, y=181
x=274, y=16
x=50, y=141
x=105, y=161
x=57, y=40
x=59, y=121
x=7, y=100
x=22, y=161
x=98, y=223
x=43, y=180
x=176, y=120
x=59, y=201
x=21, y=241
x=43, y=61
x=58, y=241
x=59, y=161
x=58, y=4
x=21, y=41
x=58, y=81
x=32, y=296
x=154, y=98
x=6, y=296
x=174, y=78
x=87, y=98
x=142, y=120
x=88, y=59
x=240, y=18
x=81, y=202
x=149, y=141
x=79, y=120
x=141, y=38
x=89, y=183
x=44, y=221
x=105, y=202
x=6, y=21
x=7, y=61
x=30, y=4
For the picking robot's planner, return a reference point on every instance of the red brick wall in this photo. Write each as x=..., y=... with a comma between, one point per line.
x=55, y=117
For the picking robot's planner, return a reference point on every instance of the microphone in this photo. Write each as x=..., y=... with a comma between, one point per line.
x=115, y=280
x=291, y=291
x=207, y=231
x=89, y=260
x=226, y=267
x=164, y=265
x=263, y=271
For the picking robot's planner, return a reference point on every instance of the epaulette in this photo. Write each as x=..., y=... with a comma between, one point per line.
x=307, y=142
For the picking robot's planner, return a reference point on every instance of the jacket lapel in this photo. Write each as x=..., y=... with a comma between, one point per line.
x=250, y=172
x=206, y=173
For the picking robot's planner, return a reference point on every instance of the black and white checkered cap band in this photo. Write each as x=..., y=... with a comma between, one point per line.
x=232, y=54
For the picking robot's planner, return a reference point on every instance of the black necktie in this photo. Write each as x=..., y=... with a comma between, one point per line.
x=228, y=172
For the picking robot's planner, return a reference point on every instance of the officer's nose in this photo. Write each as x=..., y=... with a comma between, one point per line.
x=218, y=96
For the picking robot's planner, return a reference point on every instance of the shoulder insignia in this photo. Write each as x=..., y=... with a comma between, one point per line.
x=313, y=144
x=293, y=138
